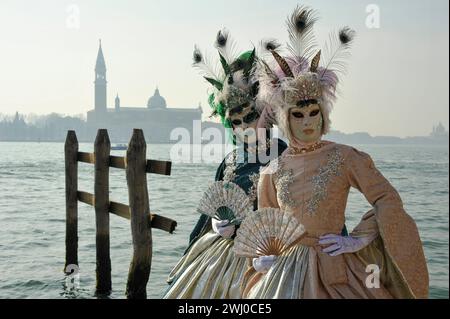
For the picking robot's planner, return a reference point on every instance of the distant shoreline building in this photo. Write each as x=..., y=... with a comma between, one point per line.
x=156, y=119
x=439, y=131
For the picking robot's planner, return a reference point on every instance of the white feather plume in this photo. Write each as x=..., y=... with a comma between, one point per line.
x=202, y=62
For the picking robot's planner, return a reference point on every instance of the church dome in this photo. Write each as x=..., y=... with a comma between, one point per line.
x=156, y=101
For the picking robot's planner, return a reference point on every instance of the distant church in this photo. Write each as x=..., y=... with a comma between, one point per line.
x=439, y=132
x=157, y=120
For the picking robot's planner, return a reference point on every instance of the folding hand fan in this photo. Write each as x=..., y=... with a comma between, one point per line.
x=268, y=231
x=225, y=201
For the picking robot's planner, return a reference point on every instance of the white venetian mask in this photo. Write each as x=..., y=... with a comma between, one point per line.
x=306, y=123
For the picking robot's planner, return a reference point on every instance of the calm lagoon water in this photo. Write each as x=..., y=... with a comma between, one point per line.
x=32, y=215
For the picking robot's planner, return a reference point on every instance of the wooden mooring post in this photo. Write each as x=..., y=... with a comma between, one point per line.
x=138, y=211
x=139, y=202
x=71, y=167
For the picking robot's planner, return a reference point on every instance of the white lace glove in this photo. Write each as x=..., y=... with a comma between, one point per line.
x=263, y=263
x=344, y=244
x=222, y=228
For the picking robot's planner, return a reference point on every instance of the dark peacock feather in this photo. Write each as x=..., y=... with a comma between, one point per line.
x=226, y=46
x=197, y=56
x=301, y=34
x=270, y=44
x=337, y=51
x=346, y=35
x=221, y=39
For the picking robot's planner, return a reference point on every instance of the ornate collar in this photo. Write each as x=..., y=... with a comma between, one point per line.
x=292, y=150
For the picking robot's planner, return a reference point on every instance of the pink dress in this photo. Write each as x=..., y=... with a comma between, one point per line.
x=315, y=187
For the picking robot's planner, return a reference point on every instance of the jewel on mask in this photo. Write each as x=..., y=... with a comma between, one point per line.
x=305, y=90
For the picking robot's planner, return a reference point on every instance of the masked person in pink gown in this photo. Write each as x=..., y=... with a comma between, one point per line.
x=382, y=257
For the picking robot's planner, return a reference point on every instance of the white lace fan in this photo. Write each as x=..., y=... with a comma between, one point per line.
x=268, y=231
x=225, y=201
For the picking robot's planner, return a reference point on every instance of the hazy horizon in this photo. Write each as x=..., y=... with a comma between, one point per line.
x=397, y=82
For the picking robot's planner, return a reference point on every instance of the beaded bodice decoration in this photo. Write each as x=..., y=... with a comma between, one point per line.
x=285, y=177
x=229, y=173
x=253, y=192
x=247, y=182
x=320, y=181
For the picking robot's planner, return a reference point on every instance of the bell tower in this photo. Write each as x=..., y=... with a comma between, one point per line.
x=100, y=81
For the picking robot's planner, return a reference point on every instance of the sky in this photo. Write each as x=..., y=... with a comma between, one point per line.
x=397, y=81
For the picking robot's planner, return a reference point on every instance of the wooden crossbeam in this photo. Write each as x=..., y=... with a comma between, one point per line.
x=86, y=157
x=159, y=167
x=122, y=210
x=117, y=162
x=152, y=166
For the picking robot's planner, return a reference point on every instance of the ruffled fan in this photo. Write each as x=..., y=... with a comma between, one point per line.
x=225, y=201
x=266, y=232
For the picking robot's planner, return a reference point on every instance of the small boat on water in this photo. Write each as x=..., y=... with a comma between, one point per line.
x=119, y=147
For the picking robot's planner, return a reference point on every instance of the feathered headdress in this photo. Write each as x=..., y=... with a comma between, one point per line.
x=303, y=74
x=233, y=83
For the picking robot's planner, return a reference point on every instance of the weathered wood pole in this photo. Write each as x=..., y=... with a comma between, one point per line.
x=102, y=148
x=71, y=168
x=141, y=231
